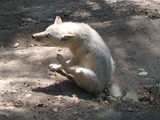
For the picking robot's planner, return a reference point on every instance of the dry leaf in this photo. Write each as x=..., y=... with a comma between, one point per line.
x=75, y=99
x=40, y=105
x=58, y=98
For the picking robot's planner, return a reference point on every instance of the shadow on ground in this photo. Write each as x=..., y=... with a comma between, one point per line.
x=65, y=87
x=131, y=30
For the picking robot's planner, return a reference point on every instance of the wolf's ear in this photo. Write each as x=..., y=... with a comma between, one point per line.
x=58, y=20
x=65, y=37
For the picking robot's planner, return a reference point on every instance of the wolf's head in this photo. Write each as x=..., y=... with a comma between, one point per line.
x=57, y=34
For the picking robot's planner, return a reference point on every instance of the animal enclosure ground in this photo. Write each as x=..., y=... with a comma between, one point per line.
x=29, y=91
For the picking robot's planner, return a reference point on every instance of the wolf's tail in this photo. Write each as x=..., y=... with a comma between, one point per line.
x=112, y=65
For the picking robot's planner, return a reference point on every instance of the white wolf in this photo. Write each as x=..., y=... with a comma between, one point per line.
x=90, y=54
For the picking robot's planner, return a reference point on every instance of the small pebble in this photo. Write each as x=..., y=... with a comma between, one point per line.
x=16, y=45
x=32, y=45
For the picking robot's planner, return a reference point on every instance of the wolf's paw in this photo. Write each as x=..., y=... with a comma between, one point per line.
x=54, y=67
x=61, y=59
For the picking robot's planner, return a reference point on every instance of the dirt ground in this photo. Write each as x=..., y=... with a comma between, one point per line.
x=29, y=91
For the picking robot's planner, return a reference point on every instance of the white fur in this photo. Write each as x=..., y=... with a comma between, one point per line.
x=91, y=55
x=114, y=90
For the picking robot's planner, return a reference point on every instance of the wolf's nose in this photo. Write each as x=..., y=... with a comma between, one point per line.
x=33, y=36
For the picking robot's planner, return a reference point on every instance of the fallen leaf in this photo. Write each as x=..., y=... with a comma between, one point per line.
x=18, y=103
x=75, y=99
x=131, y=95
x=142, y=72
x=58, y=98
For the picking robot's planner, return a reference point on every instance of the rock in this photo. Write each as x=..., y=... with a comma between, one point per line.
x=16, y=45
x=28, y=20
x=40, y=105
x=49, y=20
x=55, y=110
x=32, y=45
x=75, y=113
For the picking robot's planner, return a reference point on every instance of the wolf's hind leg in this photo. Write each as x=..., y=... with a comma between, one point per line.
x=84, y=77
x=87, y=79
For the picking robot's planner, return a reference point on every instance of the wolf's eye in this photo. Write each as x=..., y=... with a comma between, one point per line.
x=48, y=35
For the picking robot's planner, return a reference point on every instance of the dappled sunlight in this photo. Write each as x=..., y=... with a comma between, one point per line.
x=15, y=68
x=12, y=65
x=30, y=91
x=41, y=53
x=27, y=61
x=147, y=35
x=36, y=53
x=94, y=5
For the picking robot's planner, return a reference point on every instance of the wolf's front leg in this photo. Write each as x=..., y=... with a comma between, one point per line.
x=55, y=67
x=63, y=63
x=70, y=63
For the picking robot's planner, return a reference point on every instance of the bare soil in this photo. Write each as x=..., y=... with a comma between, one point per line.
x=29, y=91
